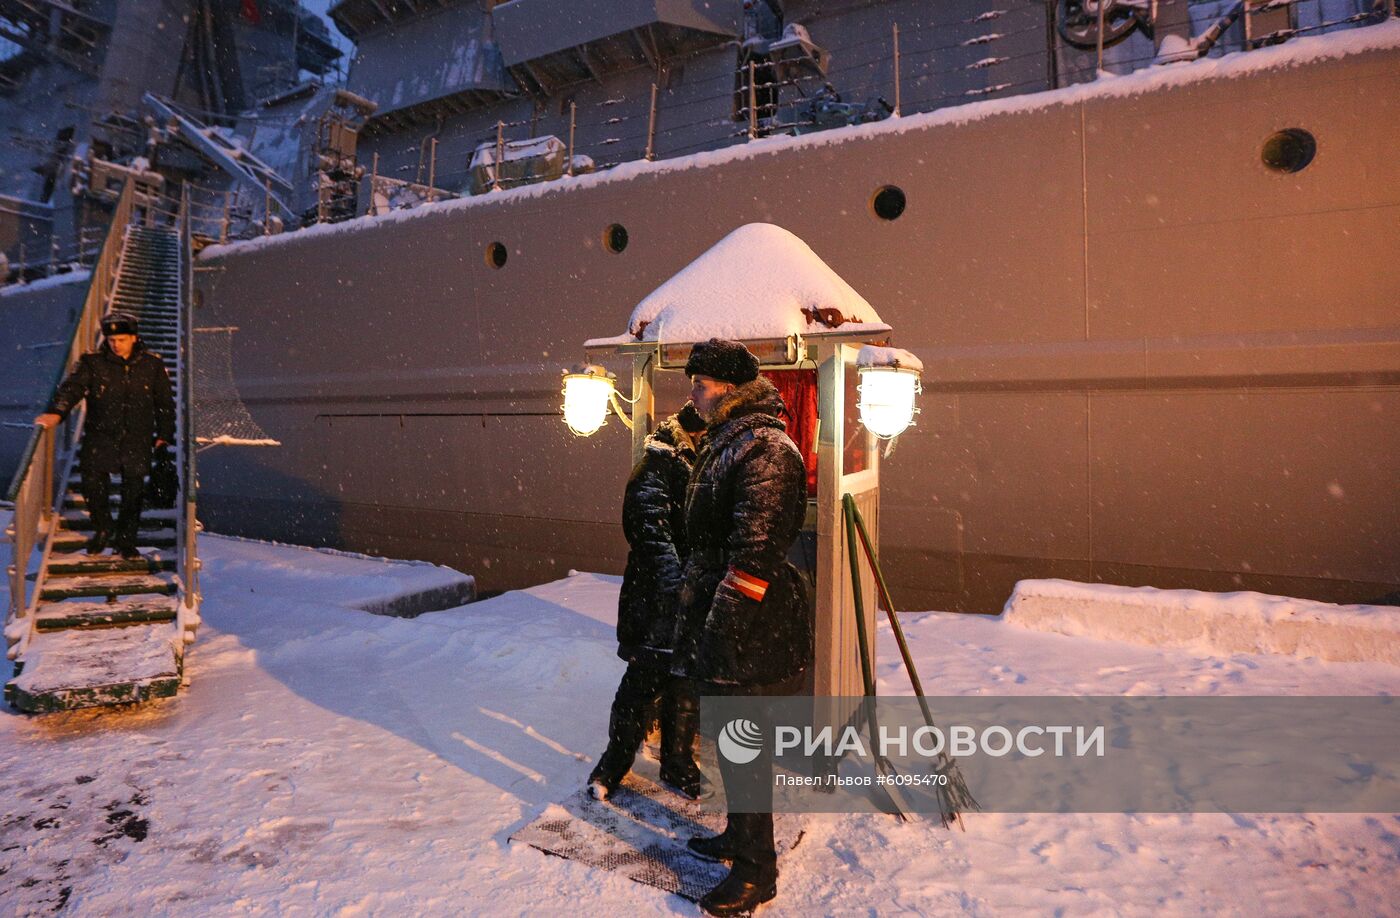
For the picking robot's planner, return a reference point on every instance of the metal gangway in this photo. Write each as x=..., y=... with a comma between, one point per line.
x=86, y=630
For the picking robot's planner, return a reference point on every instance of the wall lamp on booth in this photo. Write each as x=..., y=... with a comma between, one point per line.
x=589, y=391
x=889, y=385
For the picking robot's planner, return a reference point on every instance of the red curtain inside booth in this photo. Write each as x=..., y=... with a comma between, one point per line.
x=799, y=391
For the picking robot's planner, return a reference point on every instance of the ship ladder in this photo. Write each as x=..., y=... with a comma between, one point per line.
x=84, y=630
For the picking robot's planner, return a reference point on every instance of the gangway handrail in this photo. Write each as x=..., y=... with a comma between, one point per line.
x=187, y=525
x=36, y=491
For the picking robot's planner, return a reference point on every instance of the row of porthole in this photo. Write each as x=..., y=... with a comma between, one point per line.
x=1290, y=150
x=614, y=240
x=887, y=203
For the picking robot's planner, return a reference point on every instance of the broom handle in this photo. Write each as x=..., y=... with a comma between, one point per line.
x=896, y=797
x=849, y=508
x=889, y=612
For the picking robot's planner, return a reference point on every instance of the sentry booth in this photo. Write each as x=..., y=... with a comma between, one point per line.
x=825, y=349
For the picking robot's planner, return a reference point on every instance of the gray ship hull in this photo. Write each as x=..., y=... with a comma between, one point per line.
x=1150, y=359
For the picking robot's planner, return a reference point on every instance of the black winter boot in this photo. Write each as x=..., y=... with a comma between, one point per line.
x=712, y=848
x=637, y=688
x=680, y=721
x=607, y=775
x=98, y=543
x=741, y=892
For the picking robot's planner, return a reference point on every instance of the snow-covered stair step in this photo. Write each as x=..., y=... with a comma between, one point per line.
x=53, y=616
x=114, y=490
x=67, y=541
x=80, y=562
x=74, y=500
x=81, y=668
x=75, y=585
x=150, y=519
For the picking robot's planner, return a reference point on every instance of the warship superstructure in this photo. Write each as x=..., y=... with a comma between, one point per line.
x=1137, y=251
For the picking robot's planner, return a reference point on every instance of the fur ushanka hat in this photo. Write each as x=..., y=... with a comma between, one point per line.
x=727, y=361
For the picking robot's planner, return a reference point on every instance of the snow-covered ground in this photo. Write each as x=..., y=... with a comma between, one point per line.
x=329, y=761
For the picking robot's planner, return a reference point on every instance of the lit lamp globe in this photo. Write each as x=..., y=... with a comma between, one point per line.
x=587, y=394
x=887, y=399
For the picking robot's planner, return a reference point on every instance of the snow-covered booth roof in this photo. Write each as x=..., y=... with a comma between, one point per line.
x=760, y=283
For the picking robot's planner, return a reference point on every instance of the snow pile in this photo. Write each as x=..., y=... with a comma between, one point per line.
x=53, y=280
x=760, y=281
x=871, y=355
x=1241, y=622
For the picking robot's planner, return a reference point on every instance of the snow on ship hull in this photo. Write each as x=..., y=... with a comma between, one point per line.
x=1150, y=359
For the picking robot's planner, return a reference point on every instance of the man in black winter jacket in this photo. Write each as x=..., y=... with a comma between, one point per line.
x=745, y=627
x=130, y=411
x=653, y=520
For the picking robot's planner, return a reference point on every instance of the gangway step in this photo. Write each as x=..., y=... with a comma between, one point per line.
x=53, y=616
x=83, y=668
x=74, y=586
x=150, y=519
x=80, y=562
x=69, y=541
x=73, y=499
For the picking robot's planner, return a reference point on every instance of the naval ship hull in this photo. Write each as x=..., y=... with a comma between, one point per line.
x=1149, y=358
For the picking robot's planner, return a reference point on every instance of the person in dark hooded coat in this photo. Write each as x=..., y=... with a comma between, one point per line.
x=744, y=625
x=653, y=520
x=130, y=412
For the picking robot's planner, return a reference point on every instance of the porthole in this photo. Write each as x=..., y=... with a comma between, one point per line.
x=888, y=202
x=615, y=237
x=1289, y=150
x=496, y=255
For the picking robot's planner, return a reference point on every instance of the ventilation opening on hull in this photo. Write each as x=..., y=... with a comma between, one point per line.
x=615, y=238
x=1289, y=150
x=496, y=255
x=888, y=202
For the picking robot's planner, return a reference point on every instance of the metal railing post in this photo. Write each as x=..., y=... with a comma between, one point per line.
x=432, y=170
x=223, y=226
x=1102, y=4
x=753, y=102
x=651, y=126
x=373, y=184
x=46, y=447
x=500, y=155
x=267, y=207
x=22, y=526
x=189, y=558
x=573, y=118
x=896, y=71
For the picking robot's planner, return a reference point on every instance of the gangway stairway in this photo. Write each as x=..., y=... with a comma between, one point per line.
x=101, y=629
